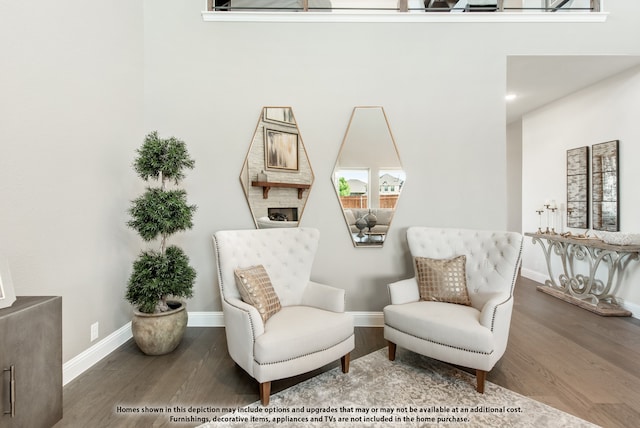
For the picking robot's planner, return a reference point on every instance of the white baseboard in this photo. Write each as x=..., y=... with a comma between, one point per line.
x=216, y=319
x=205, y=319
x=368, y=319
x=631, y=307
x=85, y=360
x=533, y=275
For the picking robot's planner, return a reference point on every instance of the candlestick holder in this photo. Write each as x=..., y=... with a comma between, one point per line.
x=553, y=221
x=547, y=206
x=539, y=220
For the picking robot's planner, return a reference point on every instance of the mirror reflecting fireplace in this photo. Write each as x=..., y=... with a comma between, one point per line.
x=276, y=175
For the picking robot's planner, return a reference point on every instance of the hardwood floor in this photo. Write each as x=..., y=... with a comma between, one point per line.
x=571, y=359
x=558, y=354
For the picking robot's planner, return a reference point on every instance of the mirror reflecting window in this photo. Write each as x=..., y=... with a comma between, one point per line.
x=276, y=175
x=368, y=177
x=604, y=164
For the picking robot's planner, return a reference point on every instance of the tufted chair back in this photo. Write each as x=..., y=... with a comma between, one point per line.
x=287, y=254
x=491, y=256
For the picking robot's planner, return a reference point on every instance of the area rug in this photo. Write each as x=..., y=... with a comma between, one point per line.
x=412, y=391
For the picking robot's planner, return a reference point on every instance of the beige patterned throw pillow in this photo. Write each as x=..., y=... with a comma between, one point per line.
x=443, y=280
x=255, y=289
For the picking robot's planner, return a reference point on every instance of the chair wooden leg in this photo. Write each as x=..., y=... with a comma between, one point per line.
x=265, y=392
x=392, y=350
x=344, y=362
x=481, y=375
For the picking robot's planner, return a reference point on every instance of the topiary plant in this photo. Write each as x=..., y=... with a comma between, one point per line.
x=158, y=213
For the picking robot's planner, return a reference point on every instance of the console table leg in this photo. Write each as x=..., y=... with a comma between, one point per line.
x=586, y=291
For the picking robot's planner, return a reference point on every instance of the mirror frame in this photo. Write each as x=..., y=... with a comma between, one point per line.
x=578, y=187
x=276, y=168
x=359, y=238
x=605, y=187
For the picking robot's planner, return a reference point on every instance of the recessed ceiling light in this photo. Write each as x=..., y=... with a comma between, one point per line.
x=510, y=97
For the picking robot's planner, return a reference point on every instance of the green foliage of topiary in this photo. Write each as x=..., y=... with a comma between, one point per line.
x=159, y=213
x=162, y=159
x=156, y=276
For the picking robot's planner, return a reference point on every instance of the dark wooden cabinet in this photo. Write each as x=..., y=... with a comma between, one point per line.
x=31, y=362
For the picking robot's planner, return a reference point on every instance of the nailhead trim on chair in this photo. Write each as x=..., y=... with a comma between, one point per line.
x=495, y=310
x=513, y=284
x=253, y=331
x=441, y=344
x=299, y=356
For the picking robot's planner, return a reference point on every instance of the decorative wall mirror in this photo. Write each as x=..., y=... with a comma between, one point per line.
x=276, y=176
x=605, y=198
x=578, y=187
x=368, y=177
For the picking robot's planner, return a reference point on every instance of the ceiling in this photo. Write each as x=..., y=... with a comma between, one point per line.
x=539, y=80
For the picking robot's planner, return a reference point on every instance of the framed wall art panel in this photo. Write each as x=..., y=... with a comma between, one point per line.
x=578, y=187
x=604, y=186
x=281, y=150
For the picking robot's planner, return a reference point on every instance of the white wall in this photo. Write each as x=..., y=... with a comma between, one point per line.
x=82, y=82
x=442, y=87
x=603, y=112
x=207, y=82
x=70, y=120
x=514, y=176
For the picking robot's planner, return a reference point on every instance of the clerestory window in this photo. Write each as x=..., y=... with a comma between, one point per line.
x=406, y=6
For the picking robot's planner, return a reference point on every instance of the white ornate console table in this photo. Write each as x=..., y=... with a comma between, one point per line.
x=585, y=290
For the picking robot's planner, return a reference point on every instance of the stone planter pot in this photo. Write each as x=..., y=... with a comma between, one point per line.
x=161, y=333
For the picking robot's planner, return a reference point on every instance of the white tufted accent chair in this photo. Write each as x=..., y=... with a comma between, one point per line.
x=470, y=336
x=310, y=330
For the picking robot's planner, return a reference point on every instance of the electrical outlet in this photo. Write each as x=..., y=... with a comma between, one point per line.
x=94, y=331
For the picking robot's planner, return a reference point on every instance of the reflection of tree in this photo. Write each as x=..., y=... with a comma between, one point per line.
x=343, y=187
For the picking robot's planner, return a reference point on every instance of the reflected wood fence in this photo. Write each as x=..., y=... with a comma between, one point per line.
x=361, y=201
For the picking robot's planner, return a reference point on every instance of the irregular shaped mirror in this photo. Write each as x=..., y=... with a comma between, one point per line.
x=276, y=175
x=604, y=164
x=368, y=177
x=578, y=187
